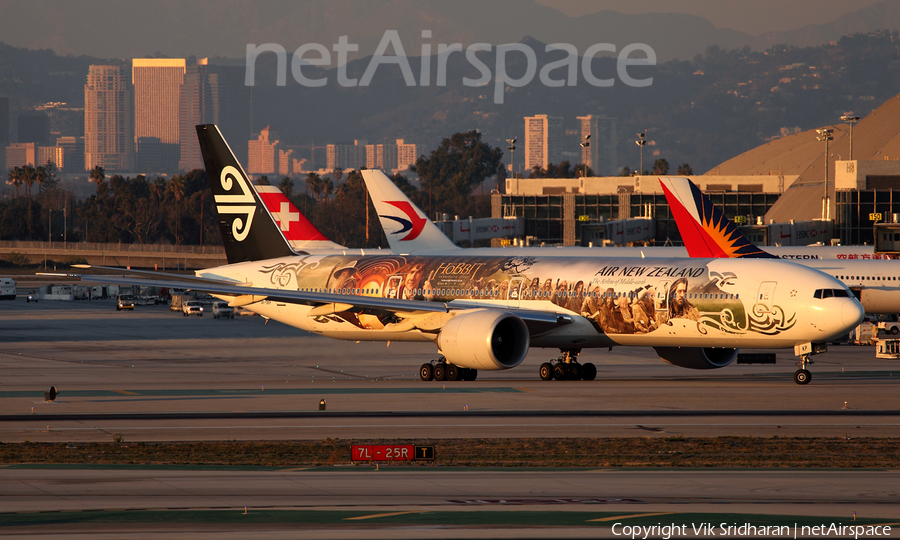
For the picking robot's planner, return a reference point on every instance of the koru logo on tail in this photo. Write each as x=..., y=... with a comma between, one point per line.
x=238, y=201
x=414, y=224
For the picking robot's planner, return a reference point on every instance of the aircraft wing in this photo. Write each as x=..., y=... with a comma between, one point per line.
x=323, y=303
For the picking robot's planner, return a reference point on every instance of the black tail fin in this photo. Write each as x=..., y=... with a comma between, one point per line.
x=237, y=203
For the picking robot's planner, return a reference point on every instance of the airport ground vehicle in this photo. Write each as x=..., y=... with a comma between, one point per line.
x=221, y=310
x=124, y=301
x=7, y=289
x=192, y=307
x=485, y=312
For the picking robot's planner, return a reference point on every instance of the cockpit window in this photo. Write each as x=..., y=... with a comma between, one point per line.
x=829, y=293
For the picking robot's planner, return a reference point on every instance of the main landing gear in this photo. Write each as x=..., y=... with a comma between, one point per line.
x=439, y=370
x=802, y=375
x=567, y=368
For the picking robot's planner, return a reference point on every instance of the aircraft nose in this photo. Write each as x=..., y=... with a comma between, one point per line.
x=852, y=313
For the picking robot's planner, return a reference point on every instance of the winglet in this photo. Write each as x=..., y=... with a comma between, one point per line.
x=703, y=227
x=408, y=230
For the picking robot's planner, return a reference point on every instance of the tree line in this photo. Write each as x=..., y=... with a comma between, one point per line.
x=180, y=211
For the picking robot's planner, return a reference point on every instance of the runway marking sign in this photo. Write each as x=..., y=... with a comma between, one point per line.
x=391, y=452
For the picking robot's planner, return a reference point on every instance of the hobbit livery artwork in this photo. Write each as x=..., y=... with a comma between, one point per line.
x=486, y=312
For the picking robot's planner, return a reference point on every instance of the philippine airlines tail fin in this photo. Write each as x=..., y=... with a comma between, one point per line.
x=249, y=232
x=703, y=227
x=408, y=230
x=299, y=232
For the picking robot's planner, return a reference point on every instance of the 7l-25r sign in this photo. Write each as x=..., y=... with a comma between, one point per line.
x=391, y=452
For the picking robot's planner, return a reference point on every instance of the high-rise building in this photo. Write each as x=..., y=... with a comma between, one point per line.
x=285, y=161
x=21, y=154
x=543, y=140
x=386, y=156
x=346, y=156
x=53, y=154
x=406, y=155
x=262, y=153
x=157, y=82
x=600, y=155
x=213, y=94
x=73, y=153
x=34, y=127
x=108, y=120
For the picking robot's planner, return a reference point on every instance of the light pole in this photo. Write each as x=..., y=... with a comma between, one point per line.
x=825, y=134
x=850, y=119
x=642, y=140
x=512, y=154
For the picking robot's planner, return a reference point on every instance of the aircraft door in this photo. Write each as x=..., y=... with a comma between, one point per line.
x=515, y=292
x=766, y=295
x=392, y=289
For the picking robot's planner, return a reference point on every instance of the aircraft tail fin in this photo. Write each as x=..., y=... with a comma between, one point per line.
x=408, y=230
x=299, y=232
x=249, y=231
x=703, y=227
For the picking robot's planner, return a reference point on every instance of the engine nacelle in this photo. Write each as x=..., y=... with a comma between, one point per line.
x=697, y=357
x=484, y=339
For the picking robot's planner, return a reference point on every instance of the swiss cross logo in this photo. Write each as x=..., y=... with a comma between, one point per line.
x=285, y=217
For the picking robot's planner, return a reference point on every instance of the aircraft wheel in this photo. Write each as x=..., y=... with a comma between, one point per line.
x=574, y=372
x=588, y=372
x=559, y=372
x=440, y=372
x=426, y=372
x=546, y=371
x=453, y=373
x=802, y=376
x=471, y=374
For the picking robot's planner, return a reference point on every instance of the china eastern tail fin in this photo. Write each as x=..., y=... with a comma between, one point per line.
x=408, y=230
x=703, y=227
x=249, y=232
x=299, y=232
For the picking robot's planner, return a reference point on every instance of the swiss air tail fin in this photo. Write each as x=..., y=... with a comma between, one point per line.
x=703, y=227
x=408, y=230
x=249, y=232
x=299, y=232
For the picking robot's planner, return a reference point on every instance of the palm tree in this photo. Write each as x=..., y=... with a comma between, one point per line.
x=15, y=179
x=175, y=188
x=314, y=184
x=29, y=176
x=286, y=186
x=97, y=175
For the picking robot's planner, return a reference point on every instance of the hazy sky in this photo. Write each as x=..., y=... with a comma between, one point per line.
x=752, y=17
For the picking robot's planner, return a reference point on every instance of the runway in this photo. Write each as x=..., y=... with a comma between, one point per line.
x=153, y=375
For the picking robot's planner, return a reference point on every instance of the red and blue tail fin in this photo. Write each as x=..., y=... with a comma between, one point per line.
x=703, y=227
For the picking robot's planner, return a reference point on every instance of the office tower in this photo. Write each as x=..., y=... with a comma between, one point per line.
x=157, y=82
x=262, y=154
x=346, y=156
x=34, y=127
x=73, y=153
x=213, y=94
x=53, y=154
x=285, y=160
x=21, y=154
x=406, y=155
x=543, y=140
x=386, y=156
x=108, y=120
x=600, y=155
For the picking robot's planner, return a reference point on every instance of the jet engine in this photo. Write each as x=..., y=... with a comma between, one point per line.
x=697, y=357
x=484, y=339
